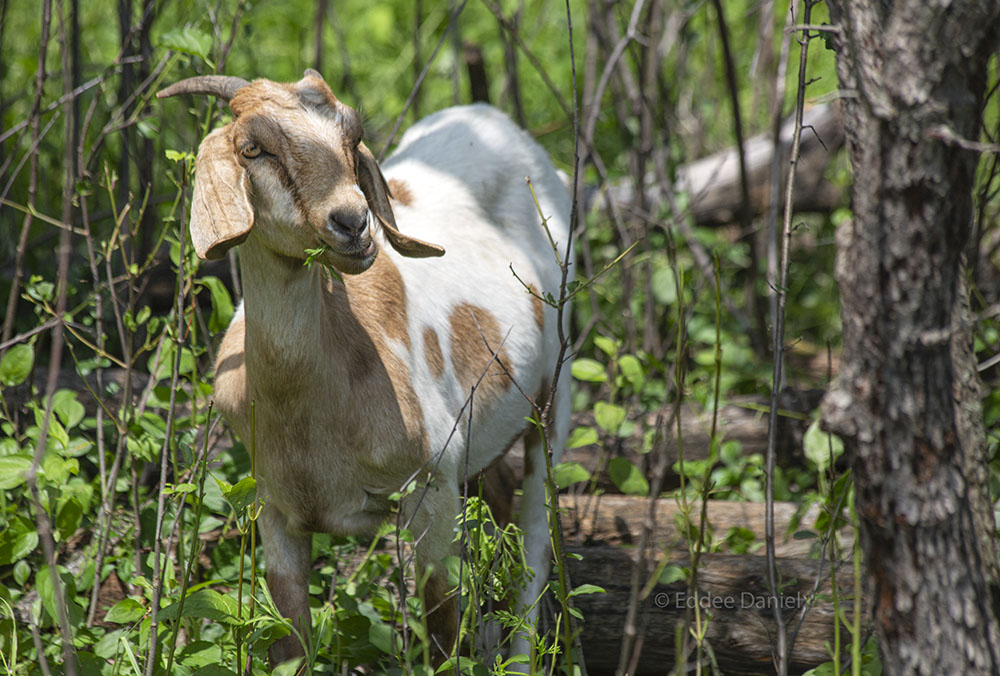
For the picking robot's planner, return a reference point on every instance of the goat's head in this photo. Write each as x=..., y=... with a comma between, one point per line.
x=291, y=163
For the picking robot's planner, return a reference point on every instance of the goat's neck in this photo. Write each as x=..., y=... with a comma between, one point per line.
x=290, y=314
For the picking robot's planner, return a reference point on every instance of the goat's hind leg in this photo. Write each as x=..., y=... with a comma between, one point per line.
x=431, y=513
x=534, y=522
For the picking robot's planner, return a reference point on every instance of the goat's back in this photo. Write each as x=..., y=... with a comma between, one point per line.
x=459, y=180
x=477, y=153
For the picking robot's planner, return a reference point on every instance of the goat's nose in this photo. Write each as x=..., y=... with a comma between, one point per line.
x=350, y=222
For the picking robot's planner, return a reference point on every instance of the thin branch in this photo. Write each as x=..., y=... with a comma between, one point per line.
x=782, y=647
x=55, y=363
x=512, y=31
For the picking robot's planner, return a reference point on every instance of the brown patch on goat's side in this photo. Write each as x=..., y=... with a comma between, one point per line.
x=432, y=352
x=376, y=299
x=401, y=191
x=472, y=330
x=538, y=307
x=413, y=415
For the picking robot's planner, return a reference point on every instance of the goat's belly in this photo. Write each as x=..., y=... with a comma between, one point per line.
x=336, y=510
x=326, y=492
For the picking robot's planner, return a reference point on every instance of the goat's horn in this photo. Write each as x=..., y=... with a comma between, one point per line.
x=222, y=86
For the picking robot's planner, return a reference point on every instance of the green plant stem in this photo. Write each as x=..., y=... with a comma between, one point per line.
x=856, y=644
x=165, y=452
x=705, y=487
x=186, y=572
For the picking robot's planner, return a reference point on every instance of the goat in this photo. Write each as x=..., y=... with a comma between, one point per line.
x=359, y=378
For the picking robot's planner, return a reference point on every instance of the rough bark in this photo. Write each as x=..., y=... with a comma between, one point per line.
x=907, y=401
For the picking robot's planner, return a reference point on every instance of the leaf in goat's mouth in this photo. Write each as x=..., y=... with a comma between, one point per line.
x=313, y=254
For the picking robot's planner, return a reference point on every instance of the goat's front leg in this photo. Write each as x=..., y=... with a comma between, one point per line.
x=288, y=556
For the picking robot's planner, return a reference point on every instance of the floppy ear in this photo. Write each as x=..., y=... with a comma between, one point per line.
x=377, y=193
x=221, y=215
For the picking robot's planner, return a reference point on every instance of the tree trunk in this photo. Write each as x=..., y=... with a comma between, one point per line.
x=907, y=401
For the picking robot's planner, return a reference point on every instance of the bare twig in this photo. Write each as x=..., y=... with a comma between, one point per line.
x=55, y=361
x=535, y=62
x=782, y=647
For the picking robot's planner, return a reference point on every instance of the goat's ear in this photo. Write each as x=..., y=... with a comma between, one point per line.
x=377, y=193
x=221, y=215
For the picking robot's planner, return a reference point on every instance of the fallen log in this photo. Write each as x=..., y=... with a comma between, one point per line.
x=743, y=420
x=713, y=182
x=732, y=592
x=618, y=520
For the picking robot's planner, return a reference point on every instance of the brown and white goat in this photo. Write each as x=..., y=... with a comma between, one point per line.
x=358, y=384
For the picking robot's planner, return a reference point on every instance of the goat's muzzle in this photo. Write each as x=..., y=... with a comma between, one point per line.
x=348, y=222
x=348, y=235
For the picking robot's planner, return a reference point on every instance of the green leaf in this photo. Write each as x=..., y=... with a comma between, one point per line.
x=188, y=40
x=165, y=370
x=219, y=670
x=568, y=473
x=740, y=540
x=609, y=416
x=586, y=589
x=57, y=469
x=12, y=469
x=607, y=345
x=582, y=436
x=8, y=446
x=22, y=571
x=68, y=518
x=67, y=408
x=664, y=286
x=589, y=370
x=819, y=446
x=222, y=304
x=241, y=494
x=47, y=591
x=205, y=603
x=672, y=573
x=627, y=477
x=382, y=637
x=631, y=368
x=125, y=611
x=16, y=365
x=17, y=540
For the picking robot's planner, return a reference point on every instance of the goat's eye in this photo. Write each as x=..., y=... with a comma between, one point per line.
x=251, y=151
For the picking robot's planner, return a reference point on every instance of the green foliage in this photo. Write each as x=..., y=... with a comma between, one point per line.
x=652, y=337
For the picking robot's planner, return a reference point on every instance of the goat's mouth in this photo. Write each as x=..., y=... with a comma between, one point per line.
x=353, y=259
